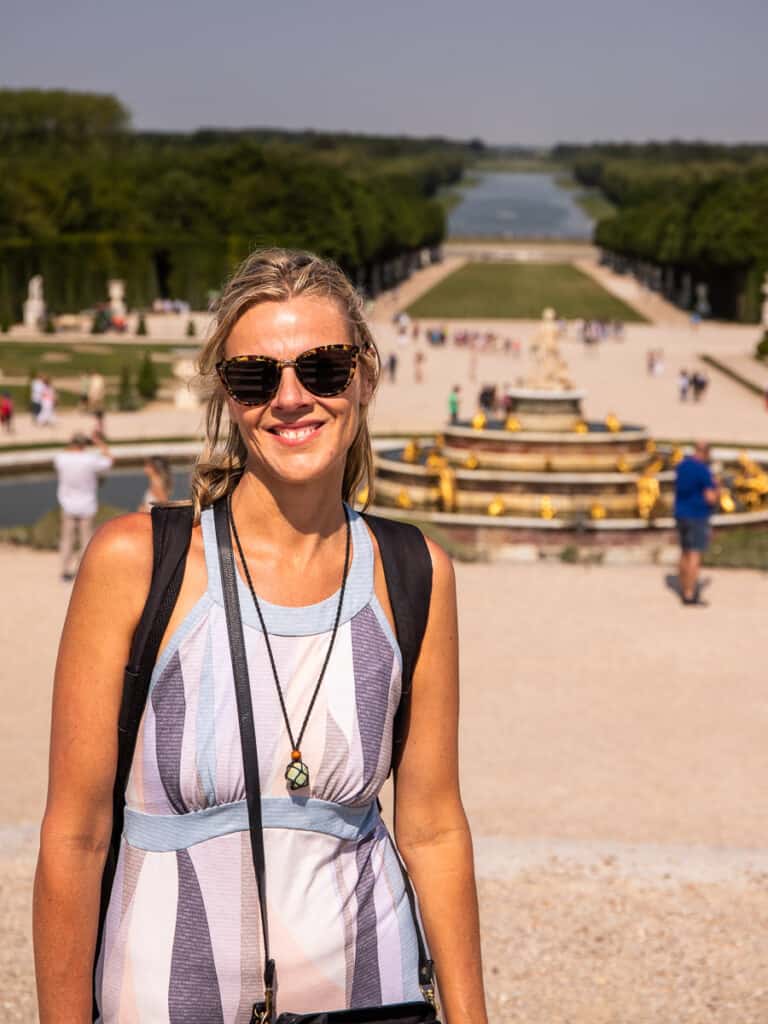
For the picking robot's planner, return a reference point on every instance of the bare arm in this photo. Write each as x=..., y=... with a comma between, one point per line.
x=430, y=824
x=106, y=603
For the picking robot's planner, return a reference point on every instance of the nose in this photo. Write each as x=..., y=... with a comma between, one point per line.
x=290, y=394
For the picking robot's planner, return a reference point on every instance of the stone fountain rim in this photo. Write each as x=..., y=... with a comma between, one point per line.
x=544, y=436
x=547, y=395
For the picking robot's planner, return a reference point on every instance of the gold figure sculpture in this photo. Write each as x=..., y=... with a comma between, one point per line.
x=648, y=491
x=471, y=461
x=546, y=508
x=479, y=421
x=512, y=423
x=404, y=499
x=613, y=423
x=727, y=504
x=581, y=427
x=412, y=451
x=622, y=464
x=447, y=489
x=497, y=507
x=597, y=511
x=436, y=461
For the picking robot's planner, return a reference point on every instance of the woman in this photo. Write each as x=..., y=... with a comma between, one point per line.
x=182, y=935
x=159, y=483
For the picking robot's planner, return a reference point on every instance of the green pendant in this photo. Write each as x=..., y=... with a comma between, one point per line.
x=297, y=775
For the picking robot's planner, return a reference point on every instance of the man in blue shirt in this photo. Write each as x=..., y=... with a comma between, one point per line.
x=695, y=494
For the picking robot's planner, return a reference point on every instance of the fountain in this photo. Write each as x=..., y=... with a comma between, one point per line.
x=541, y=473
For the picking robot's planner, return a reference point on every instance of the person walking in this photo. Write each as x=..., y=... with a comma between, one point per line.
x=47, y=414
x=6, y=412
x=36, y=386
x=683, y=385
x=78, y=468
x=291, y=368
x=159, y=483
x=696, y=492
x=453, y=404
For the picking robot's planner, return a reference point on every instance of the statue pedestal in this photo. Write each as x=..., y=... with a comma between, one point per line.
x=537, y=409
x=34, y=313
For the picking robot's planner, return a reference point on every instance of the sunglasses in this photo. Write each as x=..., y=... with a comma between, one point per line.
x=325, y=371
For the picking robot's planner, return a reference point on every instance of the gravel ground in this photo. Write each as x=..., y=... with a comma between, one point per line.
x=564, y=942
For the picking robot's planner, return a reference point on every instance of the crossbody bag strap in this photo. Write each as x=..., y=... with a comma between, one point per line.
x=262, y=1011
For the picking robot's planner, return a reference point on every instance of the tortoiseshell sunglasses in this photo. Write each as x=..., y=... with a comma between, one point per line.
x=325, y=371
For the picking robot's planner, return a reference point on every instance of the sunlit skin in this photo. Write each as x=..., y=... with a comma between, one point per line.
x=283, y=330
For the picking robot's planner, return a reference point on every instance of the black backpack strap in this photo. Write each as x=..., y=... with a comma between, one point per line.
x=408, y=572
x=171, y=534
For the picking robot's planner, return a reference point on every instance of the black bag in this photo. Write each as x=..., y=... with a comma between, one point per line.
x=403, y=553
x=264, y=1012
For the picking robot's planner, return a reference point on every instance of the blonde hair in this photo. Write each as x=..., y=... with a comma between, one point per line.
x=276, y=275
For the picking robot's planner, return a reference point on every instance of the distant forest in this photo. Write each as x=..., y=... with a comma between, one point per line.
x=84, y=198
x=688, y=213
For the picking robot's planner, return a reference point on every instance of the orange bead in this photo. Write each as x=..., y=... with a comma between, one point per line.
x=295, y=755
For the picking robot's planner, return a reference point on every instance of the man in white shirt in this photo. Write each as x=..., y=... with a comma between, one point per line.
x=78, y=468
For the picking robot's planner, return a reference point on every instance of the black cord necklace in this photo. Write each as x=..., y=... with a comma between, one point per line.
x=296, y=772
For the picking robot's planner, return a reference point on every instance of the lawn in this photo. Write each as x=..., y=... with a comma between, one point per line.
x=519, y=291
x=65, y=359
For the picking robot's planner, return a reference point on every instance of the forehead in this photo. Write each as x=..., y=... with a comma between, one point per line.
x=284, y=329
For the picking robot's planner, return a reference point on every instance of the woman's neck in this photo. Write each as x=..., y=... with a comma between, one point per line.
x=292, y=518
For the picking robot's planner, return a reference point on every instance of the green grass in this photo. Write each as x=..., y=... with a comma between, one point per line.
x=519, y=291
x=21, y=358
x=739, y=548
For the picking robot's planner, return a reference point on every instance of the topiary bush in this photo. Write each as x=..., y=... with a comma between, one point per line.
x=141, y=326
x=127, y=400
x=191, y=329
x=147, y=382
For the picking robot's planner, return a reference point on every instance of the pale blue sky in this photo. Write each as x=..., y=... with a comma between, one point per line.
x=505, y=71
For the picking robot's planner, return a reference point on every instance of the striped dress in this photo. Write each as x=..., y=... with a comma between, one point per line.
x=182, y=940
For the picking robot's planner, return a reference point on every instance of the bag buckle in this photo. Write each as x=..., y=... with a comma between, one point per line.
x=427, y=983
x=262, y=1012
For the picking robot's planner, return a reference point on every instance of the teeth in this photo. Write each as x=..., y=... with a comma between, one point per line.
x=296, y=435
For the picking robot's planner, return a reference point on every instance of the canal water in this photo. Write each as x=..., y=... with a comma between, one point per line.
x=512, y=205
x=23, y=499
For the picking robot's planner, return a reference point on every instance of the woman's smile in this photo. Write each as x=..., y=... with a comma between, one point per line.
x=295, y=434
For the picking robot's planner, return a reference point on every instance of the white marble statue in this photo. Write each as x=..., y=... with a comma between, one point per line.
x=34, y=307
x=117, y=305
x=549, y=370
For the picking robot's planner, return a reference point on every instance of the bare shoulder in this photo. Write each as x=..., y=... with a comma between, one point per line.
x=443, y=575
x=122, y=543
x=117, y=565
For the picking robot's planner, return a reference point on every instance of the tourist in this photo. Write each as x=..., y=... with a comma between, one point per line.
x=418, y=366
x=696, y=492
x=699, y=384
x=159, y=483
x=391, y=367
x=454, y=398
x=96, y=393
x=6, y=412
x=77, y=469
x=36, y=386
x=683, y=384
x=47, y=414
x=290, y=370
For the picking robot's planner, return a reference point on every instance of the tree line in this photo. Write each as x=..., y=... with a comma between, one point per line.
x=689, y=213
x=83, y=198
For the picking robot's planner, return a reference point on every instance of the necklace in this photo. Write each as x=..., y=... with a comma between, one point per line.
x=296, y=771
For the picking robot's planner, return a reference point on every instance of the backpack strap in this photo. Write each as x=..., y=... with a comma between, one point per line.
x=171, y=534
x=408, y=572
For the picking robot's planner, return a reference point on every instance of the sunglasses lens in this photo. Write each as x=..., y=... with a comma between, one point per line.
x=326, y=371
x=252, y=382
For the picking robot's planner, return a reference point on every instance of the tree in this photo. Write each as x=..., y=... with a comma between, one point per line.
x=141, y=326
x=191, y=329
x=126, y=397
x=147, y=379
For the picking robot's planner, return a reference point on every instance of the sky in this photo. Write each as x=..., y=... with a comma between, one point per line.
x=531, y=73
